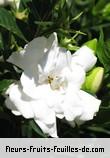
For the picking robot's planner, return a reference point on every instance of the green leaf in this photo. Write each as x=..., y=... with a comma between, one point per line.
x=99, y=129
x=36, y=128
x=103, y=52
x=106, y=11
x=106, y=115
x=8, y=22
x=4, y=84
x=98, y=7
x=77, y=17
x=26, y=130
x=24, y=4
x=44, y=23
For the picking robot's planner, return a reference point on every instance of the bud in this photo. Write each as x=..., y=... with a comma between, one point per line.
x=92, y=44
x=21, y=15
x=93, y=80
x=67, y=43
x=72, y=47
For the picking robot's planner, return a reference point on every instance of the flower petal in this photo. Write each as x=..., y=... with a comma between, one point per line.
x=56, y=104
x=74, y=75
x=17, y=113
x=20, y=101
x=63, y=59
x=90, y=106
x=43, y=112
x=32, y=52
x=10, y=104
x=57, y=59
x=45, y=117
x=29, y=81
x=71, y=105
x=85, y=58
x=51, y=130
x=35, y=92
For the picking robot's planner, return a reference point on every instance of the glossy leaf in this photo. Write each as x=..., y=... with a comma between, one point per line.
x=8, y=22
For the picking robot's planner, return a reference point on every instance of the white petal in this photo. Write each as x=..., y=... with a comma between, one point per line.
x=63, y=59
x=30, y=55
x=60, y=116
x=42, y=91
x=56, y=104
x=85, y=58
x=74, y=75
x=72, y=112
x=51, y=130
x=90, y=106
x=43, y=113
x=9, y=104
x=17, y=113
x=52, y=41
x=32, y=52
x=20, y=101
x=71, y=105
x=55, y=58
x=37, y=92
x=45, y=117
x=78, y=75
x=29, y=80
x=79, y=106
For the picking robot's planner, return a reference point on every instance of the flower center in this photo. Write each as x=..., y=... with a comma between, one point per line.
x=56, y=82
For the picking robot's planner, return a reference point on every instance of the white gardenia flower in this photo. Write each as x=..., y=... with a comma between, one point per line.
x=13, y=3
x=50, y=85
